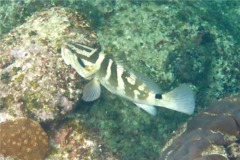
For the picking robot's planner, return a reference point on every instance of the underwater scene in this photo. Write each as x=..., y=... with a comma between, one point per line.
x=119, y=80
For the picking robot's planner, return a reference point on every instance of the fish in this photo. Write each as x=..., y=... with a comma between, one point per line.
x=100, y=68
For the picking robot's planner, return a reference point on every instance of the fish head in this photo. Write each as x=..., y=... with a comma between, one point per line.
x=81, y=58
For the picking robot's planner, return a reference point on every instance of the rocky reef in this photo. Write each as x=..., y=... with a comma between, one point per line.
x=71, y=139
x=171, y=42
x=35, y=82
x=213, y=134
x=189, y=45
x=23, y=139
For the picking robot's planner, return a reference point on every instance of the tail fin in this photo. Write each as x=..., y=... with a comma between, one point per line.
x=180, y=99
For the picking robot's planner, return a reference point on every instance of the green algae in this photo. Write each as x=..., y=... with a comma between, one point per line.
x=170, y=34
x=128, y=130
x=31, y=100
x=34, y=84
x=7, y=101
x=33, y=70
x=5, y=77
x=16, y=69
x=172, y=47
x=19, y=78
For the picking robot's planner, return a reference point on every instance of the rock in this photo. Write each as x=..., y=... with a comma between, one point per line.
x=170, y=42
x=177, y=43
x=72, y=140
x=23, y=139
x=213, y=134
x=35, y=81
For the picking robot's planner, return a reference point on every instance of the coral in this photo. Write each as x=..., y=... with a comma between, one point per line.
x=213, y=134
x=35, y=82
x=23, y=139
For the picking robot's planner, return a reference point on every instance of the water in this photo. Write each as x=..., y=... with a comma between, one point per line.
x=172, y=42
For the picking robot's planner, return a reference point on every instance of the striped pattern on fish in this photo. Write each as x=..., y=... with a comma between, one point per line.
x=93, y=64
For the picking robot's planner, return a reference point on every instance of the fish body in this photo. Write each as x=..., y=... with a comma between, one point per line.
x=93, y=64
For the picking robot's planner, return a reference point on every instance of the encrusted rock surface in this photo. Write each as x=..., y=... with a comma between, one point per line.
x=23, y=139
x=172, y=42
x=213, y=134
x=35, y=81
x=178, y=42
x=70, y=139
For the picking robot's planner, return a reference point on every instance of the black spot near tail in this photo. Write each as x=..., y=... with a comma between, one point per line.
x=158, y=96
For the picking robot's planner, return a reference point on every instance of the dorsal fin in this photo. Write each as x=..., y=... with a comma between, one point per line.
x=137, y=75
x=82, y=49
x=148, y=82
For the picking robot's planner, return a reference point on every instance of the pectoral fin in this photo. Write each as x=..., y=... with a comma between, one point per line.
x=91, y=91
x=150, y=109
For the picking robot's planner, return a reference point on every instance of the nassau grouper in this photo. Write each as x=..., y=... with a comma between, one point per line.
x=93, y=64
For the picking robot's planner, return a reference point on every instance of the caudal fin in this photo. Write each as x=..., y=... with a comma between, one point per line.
x=180, y=99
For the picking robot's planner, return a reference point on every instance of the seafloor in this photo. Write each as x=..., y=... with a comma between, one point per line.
x=170, y=41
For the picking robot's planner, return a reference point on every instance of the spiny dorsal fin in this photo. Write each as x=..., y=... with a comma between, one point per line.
x=82, y=49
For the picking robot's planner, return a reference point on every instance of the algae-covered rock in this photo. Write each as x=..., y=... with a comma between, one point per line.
x=71, y=139
x=35, y=82
x=213, y=134
x=171, y=42
x=23, y=139
x=178, y=42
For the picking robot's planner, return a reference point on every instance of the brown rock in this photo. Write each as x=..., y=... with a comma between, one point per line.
x=213, y=134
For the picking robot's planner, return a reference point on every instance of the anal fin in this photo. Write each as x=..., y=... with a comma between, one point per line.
x=150, y=109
